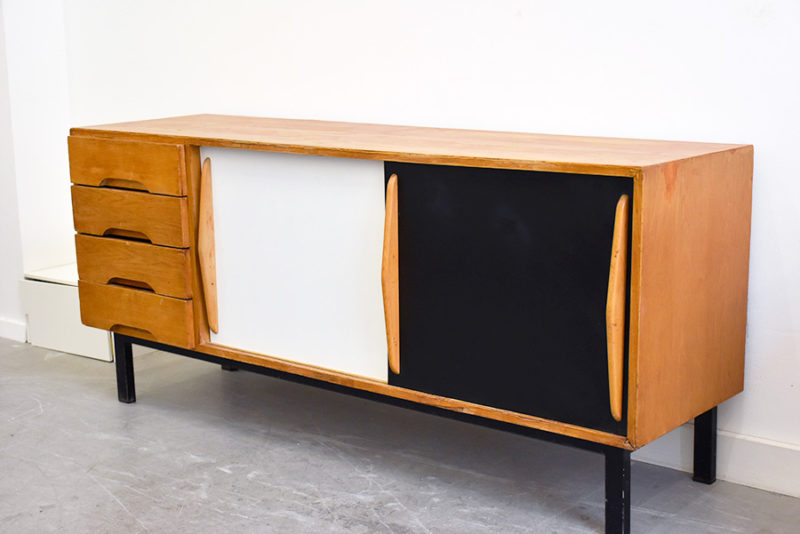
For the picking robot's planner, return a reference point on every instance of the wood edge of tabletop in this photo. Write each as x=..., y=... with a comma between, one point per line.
x=607, y=156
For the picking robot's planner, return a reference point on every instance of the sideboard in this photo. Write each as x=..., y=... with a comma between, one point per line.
x=588, y=291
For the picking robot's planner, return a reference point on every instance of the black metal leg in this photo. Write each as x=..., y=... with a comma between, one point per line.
x=229, y=367
x=705, y=447
x=123, y=358
x=618, y=491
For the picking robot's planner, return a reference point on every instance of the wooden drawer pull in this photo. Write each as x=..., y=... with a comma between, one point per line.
x=127, y=234
x=123, y=184
x=615, y=307
x=205, y=247
x=131, y=331
x=390, y=282
x=126, y=282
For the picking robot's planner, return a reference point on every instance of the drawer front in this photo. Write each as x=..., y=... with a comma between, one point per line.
x=164, y=270
x=163, y=220
x=503, y=286
x=137, y=313
x=153, y=167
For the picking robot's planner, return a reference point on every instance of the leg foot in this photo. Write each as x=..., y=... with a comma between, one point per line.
x=705, y=447
x=123, y=359
x=618, y=491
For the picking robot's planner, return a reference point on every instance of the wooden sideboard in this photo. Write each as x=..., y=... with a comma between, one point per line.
x=585, y=290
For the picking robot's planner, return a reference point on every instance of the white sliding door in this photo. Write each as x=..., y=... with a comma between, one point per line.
x=298, y=243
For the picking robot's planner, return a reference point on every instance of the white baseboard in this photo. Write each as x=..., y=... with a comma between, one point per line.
x=746, y=460
x=12, y=329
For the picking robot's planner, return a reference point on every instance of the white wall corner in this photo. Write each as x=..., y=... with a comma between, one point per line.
x=12, y=319
x=746, y=460
x=36, y=62
x=12, y=329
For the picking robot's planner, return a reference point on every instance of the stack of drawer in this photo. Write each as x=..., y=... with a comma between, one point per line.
x=132, y=215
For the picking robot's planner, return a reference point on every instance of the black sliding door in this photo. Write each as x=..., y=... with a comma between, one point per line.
x=503, y=285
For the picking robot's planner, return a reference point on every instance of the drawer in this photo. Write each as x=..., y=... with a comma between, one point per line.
x=164, y=270
x=137, y=313
x=160, y=219
x=153, y=167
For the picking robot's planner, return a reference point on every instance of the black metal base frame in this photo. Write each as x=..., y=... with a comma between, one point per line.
x=617, y=461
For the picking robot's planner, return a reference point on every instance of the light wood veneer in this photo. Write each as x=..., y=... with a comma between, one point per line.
x=472, y=148
x=153, y=167
x=164, y=270
x=137, y=313
x=162, y=220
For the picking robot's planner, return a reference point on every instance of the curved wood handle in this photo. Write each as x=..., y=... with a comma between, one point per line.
x=123, y=183
x=130, y=234
x=131, y=331
x=390, y=281
x=615, y=307
x=206, y=253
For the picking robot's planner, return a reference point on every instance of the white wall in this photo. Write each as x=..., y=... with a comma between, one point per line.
x=12, y=320
x=37, y=83
x=707, y=71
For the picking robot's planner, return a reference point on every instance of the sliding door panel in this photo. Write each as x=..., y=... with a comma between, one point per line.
x=503, y=280
x=298, y=256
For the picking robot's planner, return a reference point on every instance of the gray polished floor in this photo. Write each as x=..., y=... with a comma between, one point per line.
x=204, y=450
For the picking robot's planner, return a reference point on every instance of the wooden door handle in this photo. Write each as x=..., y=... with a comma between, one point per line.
x=390, y=281
x=206, y=253
x=615, y=307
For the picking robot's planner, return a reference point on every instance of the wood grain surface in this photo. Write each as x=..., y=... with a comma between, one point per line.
x=165, y=270
x=689, y=305
x=161, y=219
x=206, y=253
x=390, y=278
x=137, y=312
x=152, y=167
x=193, y=179
x=615, y=307
x=503, y=150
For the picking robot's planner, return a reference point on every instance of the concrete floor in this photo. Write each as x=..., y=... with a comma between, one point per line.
x=204, y=450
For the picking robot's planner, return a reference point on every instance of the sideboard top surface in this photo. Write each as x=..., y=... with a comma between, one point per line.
x=593, y=155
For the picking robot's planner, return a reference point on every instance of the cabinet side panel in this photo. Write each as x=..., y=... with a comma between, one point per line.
x=695, y=249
